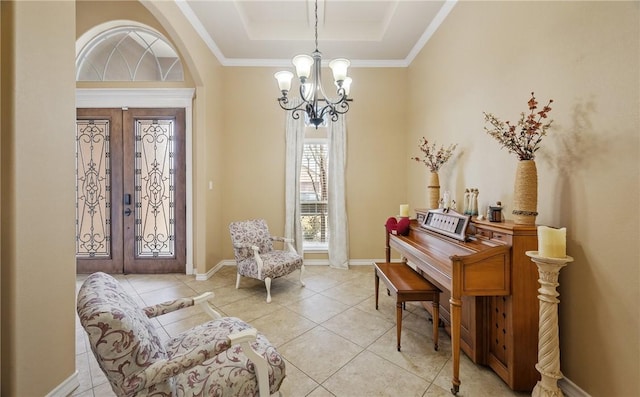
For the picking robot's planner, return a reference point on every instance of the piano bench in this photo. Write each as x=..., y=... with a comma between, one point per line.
x=408, y=286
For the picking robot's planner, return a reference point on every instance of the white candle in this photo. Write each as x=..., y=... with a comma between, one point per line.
x=404, y=210
x=552, y=243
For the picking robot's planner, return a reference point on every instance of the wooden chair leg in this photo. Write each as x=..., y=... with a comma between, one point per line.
x=436, y=320
x=399, y=322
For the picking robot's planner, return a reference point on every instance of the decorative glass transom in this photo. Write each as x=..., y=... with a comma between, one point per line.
x=93, y=184
x=129, y=53
x=155, y=188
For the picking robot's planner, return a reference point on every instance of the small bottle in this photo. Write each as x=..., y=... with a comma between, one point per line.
x=497, y=212
x=474, y=201
x=467, y=206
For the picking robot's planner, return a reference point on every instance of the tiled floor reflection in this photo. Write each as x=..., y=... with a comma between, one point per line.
x=334, y=341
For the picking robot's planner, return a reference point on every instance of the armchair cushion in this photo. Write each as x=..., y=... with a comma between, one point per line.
x=223, y=374
x=276, y=264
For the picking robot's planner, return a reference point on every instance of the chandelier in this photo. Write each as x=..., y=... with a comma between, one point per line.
x=314, y=102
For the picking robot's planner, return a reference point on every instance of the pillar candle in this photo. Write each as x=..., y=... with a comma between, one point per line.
x=552, y=243
x=404, y=210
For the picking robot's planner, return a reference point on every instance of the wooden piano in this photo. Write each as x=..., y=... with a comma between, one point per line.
x=490, y=284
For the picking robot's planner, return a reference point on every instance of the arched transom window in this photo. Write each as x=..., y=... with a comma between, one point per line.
x=128, y=53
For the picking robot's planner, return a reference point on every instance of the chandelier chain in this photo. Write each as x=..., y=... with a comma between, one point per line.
x=316, y=13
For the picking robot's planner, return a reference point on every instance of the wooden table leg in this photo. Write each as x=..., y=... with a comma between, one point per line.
x=398, y=321
x=387, y=248
x=377, y=282
x=436, y=318
x=456, y=312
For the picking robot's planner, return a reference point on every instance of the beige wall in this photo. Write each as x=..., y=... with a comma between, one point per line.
x=488, y=56
x=91, y=13
x=254, y=153
x=38, y=266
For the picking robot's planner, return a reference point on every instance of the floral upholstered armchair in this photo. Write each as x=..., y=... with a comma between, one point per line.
x=222, y=357
x=256, y=257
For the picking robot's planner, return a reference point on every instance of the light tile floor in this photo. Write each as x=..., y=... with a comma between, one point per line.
x=334, y=341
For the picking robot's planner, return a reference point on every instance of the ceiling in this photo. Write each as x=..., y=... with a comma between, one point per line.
x=382, y=33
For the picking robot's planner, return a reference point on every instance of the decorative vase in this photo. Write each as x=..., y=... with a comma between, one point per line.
x=525, y=193
x=433, y=190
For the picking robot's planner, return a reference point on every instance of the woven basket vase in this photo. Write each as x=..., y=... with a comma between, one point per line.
x=433, y=190
x=525, y=193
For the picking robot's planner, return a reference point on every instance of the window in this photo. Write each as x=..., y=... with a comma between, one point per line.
x=313, y=194
x=128, y=53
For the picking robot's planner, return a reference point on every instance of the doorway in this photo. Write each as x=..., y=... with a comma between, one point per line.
x=130, y=205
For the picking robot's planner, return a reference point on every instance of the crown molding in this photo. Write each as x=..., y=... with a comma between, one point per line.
x=368, y=63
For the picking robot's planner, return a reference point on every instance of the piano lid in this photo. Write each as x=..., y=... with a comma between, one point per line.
x=446, y=222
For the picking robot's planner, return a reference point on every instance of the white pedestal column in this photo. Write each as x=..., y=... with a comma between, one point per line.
x=548, y=342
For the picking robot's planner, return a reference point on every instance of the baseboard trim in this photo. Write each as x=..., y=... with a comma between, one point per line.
x=65, y=388
x=213, y=270
x=316, y=262
x=570, y=389
x=364, y=262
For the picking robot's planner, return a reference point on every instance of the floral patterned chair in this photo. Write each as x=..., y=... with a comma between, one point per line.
x=222, y=357
x=256, y=257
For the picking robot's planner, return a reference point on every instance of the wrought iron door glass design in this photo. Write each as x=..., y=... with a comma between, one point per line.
x=155, y=188
x=93, y=184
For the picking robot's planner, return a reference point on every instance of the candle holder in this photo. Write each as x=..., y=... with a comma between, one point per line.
x=548, y=342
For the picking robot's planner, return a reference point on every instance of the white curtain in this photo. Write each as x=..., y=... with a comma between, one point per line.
x=337, y=207
x=293, y=164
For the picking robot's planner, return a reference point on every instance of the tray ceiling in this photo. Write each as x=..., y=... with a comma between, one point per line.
x=270, y=32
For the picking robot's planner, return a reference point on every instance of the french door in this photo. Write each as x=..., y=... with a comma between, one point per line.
x=130, y=190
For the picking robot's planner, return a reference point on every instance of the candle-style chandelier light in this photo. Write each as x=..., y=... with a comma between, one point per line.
x=314, y=102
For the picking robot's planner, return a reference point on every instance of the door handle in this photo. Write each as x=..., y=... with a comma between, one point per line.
x=127, y=212
x=127, y=199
